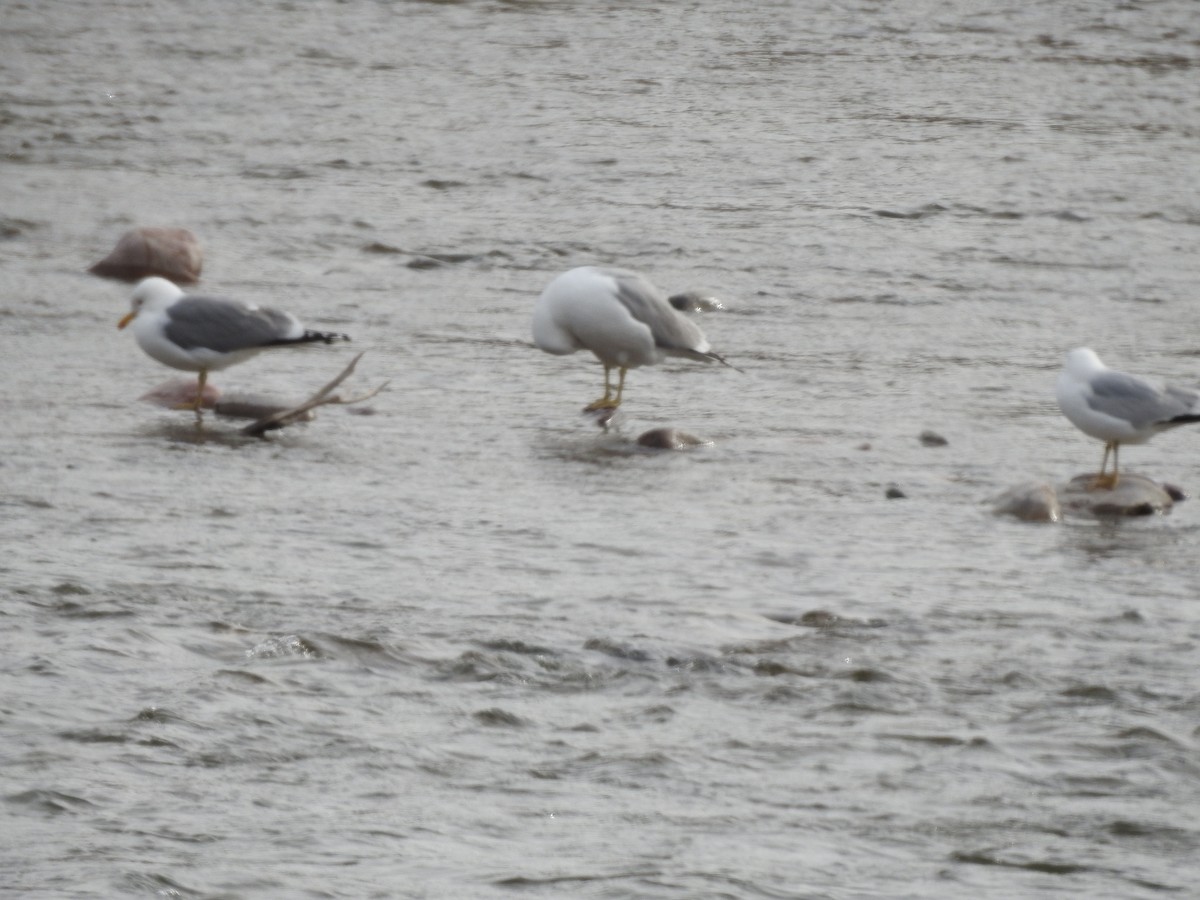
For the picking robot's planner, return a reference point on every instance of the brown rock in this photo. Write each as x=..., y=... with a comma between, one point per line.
x=1034, y=501
x=1134, y=495
x=669, y=439
x=179, y=392
x=172, y=253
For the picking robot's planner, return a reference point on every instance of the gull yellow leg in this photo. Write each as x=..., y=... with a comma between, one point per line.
x=1108, y=482
x=620, y=386
x=607, y=401
x=198, y=402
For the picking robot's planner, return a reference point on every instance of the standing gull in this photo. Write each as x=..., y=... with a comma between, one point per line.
x=1118, y=408
x=199, y=334
x=621, y=317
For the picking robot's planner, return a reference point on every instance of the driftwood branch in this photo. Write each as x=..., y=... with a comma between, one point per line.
x=323, y=397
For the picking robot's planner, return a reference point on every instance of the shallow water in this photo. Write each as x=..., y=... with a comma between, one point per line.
x=469, y=645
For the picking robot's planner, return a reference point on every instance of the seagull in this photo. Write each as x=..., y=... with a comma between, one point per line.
x=1117, y=408
x=199, y=334
x=620, y=317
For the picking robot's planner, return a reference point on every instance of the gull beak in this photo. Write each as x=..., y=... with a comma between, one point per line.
x=126, y=319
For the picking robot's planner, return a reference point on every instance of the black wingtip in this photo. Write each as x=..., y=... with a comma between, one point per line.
x=325, y=337
x=1185, y=419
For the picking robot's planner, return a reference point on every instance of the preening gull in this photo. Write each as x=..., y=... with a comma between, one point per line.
x=620, y=317
x=201, y=334
x=1117, y=408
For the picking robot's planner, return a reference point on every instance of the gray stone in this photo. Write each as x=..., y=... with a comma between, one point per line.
x=670, y=439
x=1034, y=501
x=1134, y=495
x=695, y=302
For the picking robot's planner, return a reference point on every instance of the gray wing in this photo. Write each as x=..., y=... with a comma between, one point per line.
x=672, y=332
x=1139, y=402
x=226, y=325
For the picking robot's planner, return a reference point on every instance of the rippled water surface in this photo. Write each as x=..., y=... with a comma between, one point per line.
x=469, y=645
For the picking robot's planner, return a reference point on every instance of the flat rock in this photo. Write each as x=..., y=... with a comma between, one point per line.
x=171, y=253
x=1034, y=501
x=178, y=392
x=1134, y=495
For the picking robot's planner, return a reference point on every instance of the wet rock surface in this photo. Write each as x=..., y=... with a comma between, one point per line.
x=932, y=439
x=1134, y=495
x=180, y=393
x=670, y=439
x=695, y=302
x=268, y=414
x=1034, y=501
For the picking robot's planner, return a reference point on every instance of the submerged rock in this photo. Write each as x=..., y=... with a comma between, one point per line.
x=181, y=392
x=172, y=253
x=1034, y=501
x=695, y=302
x=1134, y=495
x=670, y=439
x=268, y=414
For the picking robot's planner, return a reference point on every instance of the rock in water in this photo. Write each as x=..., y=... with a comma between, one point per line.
x=171, y=253
x=1134, y=495
x=669, y=439
x=1034, y=501
x=695, y=302
x=180, y=391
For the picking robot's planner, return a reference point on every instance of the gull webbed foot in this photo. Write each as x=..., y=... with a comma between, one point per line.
x=602, y=403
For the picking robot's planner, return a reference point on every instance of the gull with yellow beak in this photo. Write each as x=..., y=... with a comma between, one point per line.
x=200, y=334
x=1118, y=408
